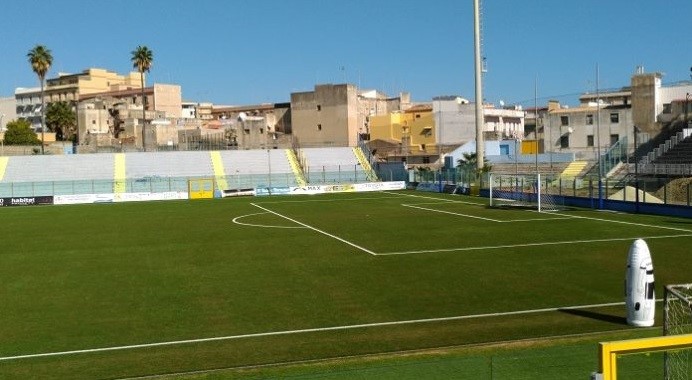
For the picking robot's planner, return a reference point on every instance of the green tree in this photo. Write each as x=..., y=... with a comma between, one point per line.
x=41, y=59
x=19, y=132
x=142, y=59
x=61, y=119
x=467, y=165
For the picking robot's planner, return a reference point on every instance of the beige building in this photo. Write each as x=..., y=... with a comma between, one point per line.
x=71, y=88
x=118, y=114
x=276, y=116
x=326, y=116
x=338, y=114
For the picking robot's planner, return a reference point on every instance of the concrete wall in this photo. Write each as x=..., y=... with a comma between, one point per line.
x=645, y=102
x=582, y=122
x=326, y=116
x=168, y=99
x=8, y=111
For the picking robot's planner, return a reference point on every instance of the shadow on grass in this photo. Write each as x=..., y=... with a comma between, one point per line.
x=615, y=319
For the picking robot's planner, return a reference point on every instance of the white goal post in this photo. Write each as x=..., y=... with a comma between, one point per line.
x=530, y=191
x=677, y=320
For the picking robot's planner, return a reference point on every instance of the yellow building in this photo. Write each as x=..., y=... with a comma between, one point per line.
x=68, y=87
x=414, y=129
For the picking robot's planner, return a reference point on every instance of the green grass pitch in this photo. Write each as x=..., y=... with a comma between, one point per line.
x=135, y=289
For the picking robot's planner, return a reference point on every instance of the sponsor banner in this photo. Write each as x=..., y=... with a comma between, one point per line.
x=74, y=199
x=261, y=191
x=26, y=201
x=304, y=190
x=347, y=188
x=237, y=192
x=380, y=186
x=136, y=197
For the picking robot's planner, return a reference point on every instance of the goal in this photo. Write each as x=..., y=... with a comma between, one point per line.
x=532, y=191
x=677, y=320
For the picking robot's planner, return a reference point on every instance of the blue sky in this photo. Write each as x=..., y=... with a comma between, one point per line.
x=254, y=51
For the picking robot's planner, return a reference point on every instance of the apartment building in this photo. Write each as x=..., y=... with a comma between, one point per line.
x=455, y=118
x=71, y=88
x=338, y=114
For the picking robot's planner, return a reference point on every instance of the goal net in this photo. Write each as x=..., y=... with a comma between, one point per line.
x=677, y=320
x=533, y=191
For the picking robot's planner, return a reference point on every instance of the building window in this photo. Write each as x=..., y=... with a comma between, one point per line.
x=319, y=107
x=589, y=119
x=426, y=159
x=417, y=116
x=615, y=118
x=564, y=141
x=564, y=121
x=589, y=140
x=319, y=127
x=614, y=139
x=261, y=131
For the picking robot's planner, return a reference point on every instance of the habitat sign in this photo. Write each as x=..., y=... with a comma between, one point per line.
x=26, y=201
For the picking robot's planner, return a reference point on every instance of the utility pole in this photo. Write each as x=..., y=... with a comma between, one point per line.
x=480, y=154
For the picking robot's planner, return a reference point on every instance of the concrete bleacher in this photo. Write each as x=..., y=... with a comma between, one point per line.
x=250, y=168
x=170, y=171
x=168, y=164
x=59, y=168
x=681, y=153
x=332, y=165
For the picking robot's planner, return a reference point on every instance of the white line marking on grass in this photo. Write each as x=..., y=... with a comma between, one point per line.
x=453, y=213
x=316, y=230
x=526, y=245
x=326, y=200
x=417, y=205
x=236, y=220
x=310, y=330
x=437, y=199
x=623, y=222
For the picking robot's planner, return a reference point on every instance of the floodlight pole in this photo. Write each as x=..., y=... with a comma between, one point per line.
x=480, y=154
x=636, y=171
x=598, y=141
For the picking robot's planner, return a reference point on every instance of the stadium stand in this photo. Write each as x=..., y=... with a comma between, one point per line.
x=332, y=165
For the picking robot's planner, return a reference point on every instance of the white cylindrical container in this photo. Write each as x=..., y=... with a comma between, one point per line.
x=640, y=297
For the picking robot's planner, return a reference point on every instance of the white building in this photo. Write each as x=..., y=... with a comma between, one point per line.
x=456, y=121
x=8, y=111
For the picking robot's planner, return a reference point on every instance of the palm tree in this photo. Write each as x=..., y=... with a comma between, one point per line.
x=40, y=59
x=142, y=59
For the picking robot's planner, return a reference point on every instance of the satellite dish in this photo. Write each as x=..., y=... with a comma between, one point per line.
x=242, y=116
x=502, y=103
x=570, y=130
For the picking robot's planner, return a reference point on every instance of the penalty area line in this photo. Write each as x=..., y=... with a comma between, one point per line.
x=316, y=230
x=310, y=330
x=527, y=245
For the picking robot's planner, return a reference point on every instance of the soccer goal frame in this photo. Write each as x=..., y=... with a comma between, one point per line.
x=523, y=190
x=677, y=321
x=609, y=351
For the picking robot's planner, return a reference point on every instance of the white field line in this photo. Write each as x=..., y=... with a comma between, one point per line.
x=623, y=222
x=437, y=199
x=327, y=200
x=236, y=220
x=528, y=245
x=310, y=330
x=453, y=213
x=479, y=217
x=316, y=230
